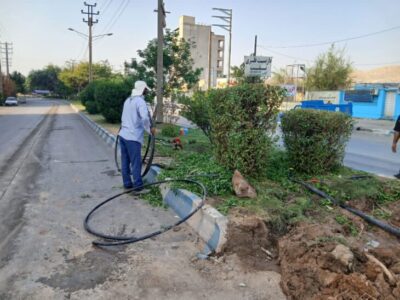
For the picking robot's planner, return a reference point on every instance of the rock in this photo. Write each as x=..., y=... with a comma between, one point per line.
x=241, y=187
x=242, y=284
x=344, y=255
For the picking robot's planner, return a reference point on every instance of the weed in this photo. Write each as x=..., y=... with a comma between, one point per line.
x=347, y=224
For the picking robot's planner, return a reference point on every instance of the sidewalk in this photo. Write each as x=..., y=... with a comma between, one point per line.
x=384, y=127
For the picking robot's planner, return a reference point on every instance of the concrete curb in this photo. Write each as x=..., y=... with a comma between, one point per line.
x=208, y=222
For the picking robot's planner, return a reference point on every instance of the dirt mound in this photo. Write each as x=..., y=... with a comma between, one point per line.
x=249, y=239
x=316, y=265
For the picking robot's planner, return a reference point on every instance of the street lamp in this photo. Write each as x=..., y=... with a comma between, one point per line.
x=227, y=18
x=90, y=37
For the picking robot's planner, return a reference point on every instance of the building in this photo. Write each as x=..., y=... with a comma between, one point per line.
x=371, y=101
x=200, y=36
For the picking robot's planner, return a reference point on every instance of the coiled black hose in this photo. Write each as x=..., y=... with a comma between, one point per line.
x=383, y=225
x=115, y=240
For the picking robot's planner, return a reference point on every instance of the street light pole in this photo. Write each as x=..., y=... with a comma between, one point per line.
x=90, y=23
x=227, y=18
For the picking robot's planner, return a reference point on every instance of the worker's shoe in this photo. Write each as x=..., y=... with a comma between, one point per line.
x=397, y=175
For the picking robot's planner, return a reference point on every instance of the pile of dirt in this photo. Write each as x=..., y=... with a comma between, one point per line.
x=317, y=264
x=248, y=237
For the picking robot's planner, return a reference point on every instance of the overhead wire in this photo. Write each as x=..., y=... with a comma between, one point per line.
x=338, y=40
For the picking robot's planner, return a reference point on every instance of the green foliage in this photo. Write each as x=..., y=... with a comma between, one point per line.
x=87, y=94
x=331, y=71
x=46, y=79
x=315, y=140
x=76, y=77
x=238, y=73
x=154, y=197
x=202, y=167
x=197, y=110
x=91, y=107
x=110, y=96
x=170, y=130
x=242, y=119
x=347, y=224
x=178, y=65
x=230, y=203
x=19, y=81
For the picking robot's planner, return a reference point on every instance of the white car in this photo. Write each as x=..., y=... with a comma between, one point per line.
x=11, y=101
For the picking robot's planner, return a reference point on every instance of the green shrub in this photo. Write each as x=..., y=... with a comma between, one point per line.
x=242, y=119
x=197, y=110
x=91, y=107
x=315, y=140
x=170, y=130
x=110, y=96
x=87, y=94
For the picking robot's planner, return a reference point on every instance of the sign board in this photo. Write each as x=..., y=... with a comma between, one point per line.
x=290, y=89
x=257, y=66
x=359, y=96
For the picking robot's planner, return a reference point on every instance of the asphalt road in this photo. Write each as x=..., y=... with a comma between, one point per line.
x=54, y=169
x=372, y=153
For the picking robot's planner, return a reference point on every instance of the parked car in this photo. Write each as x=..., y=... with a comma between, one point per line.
x=22, y=100
x=11, y=101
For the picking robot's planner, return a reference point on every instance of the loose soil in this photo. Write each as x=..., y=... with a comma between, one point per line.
x=321, y=260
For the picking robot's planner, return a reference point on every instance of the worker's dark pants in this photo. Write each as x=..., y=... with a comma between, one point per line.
x=131, y=163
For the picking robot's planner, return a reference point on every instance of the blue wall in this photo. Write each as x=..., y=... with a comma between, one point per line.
x=397, y=107
x=369, y=110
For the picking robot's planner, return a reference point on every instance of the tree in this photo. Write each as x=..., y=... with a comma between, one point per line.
x=179, y=74
x=75, y=78
x=239, y=74
x=281, y=77
x=331, y=71
x=45, y=79
x=19, y=81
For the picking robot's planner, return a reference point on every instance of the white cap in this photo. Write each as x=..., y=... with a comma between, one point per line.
x=139, y=88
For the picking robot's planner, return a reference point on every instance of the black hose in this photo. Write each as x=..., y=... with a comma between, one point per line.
x=122, y=240
x=385, y=226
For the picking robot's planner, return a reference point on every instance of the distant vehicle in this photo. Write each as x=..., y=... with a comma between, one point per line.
x=22, y=100
x=11, y=101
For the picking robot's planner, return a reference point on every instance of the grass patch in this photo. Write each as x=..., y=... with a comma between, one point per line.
x=347, y=224
x=154, y=197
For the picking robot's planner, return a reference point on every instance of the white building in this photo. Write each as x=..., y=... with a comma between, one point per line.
x=199, y=37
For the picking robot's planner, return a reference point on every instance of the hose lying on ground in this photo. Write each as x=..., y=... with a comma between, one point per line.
x=387, y=227
x=115, y=240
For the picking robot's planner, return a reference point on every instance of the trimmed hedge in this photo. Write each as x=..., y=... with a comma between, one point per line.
x=110, y=97
x=91, y=107
x=242, y=119
x=315, y=140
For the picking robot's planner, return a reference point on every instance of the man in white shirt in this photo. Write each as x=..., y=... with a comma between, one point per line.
x=135, y=120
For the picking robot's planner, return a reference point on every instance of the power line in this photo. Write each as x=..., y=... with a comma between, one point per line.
x=339, y=40
x=282, y=54
x=116, y=15
x=120, y=14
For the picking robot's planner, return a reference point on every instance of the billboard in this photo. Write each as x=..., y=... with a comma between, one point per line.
x=290, y=89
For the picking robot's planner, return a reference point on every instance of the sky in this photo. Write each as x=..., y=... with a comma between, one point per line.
x=38, y=29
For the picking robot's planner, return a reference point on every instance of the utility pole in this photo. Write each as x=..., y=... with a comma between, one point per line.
x=160, y=62
x=255, y=46
x=227, y=18
x=90, y=23
x=6, y=49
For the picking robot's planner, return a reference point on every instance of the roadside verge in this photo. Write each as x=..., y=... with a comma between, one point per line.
x=208, y=222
